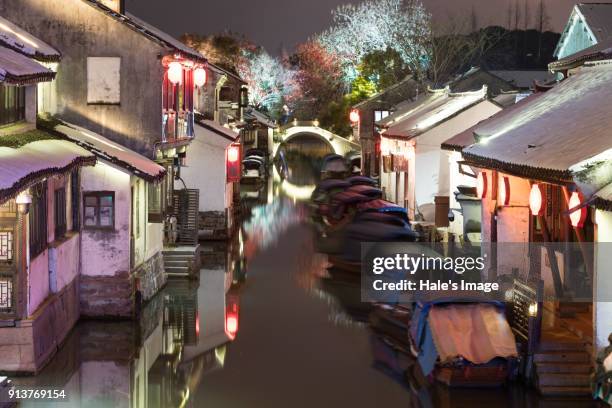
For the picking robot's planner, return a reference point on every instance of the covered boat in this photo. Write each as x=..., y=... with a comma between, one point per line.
x=463, y=342
x=334, y=166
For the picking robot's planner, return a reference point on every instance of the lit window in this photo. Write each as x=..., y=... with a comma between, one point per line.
x=99, y=209
x=380, y=115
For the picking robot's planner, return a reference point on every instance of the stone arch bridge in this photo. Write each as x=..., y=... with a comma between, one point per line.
x=295, y=129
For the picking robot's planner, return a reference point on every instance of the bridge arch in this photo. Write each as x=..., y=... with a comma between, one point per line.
x=339, y=144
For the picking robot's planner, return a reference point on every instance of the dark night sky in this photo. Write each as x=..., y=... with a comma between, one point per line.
x=276, y=23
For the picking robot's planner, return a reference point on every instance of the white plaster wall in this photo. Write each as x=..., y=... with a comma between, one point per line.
x=38, y=281
x=457, y=179
x=205, y=170
x=138, y=186
x=104, y=252
x=68, y=256
x=155, y=239
x=431, y=175
x=603, y=280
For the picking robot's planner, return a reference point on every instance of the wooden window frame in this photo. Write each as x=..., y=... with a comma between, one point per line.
x=98, y=195
x=60, y=213
x=75, y=191
x=38, y=222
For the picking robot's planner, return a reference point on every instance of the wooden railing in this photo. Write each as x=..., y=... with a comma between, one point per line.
x=177, y=126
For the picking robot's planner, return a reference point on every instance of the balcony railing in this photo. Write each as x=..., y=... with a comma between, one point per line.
x=177, y=126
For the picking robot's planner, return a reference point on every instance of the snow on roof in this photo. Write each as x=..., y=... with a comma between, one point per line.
x=150, y=31
x=113, y=152
x=255, y=115
x=410, y=107
x=29, y=164
x=524, y=79
x=598, y=16
x=217, y=129
x=467, y=137
x=549, y=134
x=18, y=69
x=17, y=39
x=433, y=111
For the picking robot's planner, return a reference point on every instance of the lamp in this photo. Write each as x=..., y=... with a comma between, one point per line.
x=536, y=200
x=354, y=116
x=199, y=77
x=23, y=201
x=175, y=72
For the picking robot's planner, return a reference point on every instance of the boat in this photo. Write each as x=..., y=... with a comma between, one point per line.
x=463, y=342
x=334, y=166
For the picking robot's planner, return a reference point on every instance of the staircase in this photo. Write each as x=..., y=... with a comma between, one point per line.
x=179, y=263
x=563, y=367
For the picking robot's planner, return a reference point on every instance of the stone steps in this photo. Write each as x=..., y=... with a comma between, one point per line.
x=563, y=380
x=572, y=368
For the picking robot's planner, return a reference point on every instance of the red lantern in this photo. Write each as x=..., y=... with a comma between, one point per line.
x=482, y=185
x=504, y=191
x=233, y=163
x=577, y=217
x=536, y=198
x=231, y=318
x=354, y=116
x=175, y=72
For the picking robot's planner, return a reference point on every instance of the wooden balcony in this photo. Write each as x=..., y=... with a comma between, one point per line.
x=177, y=126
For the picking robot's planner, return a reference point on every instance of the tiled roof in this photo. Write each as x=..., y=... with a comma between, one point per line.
x=19, y=40
x=22, y=167
x=150, y=31
x=115, y=153
x=551, y=136
x=434, y=111
x=17, y=69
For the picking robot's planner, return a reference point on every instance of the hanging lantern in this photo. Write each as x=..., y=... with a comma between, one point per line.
x=504, y=191
x=199, y=77
x=536, y=199
x=354, y=116
x=482, y=185
x=577, y=217
x=175, y=72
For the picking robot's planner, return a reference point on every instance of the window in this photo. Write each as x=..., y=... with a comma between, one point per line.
x=12, y=104
x=60, y=213
x=38, y=220
x=380, y=115
x=6, y=245
x=74, y=200
x=103, y=80
x=99, y=209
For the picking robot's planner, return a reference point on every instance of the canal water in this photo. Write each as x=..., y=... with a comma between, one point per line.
x=265, y=326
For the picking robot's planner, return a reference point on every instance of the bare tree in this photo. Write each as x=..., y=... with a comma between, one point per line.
x=452, y=48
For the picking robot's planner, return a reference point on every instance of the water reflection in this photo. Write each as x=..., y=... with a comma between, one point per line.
x=268, y=324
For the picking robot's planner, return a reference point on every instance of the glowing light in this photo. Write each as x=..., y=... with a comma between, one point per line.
x=536, y=199
x=23, y=198
x=175, y=72
x=533, y=310
x=231, y=325
x=199, y=77
x=197, y=324
x=354, y=116
x=577, y=217
x=104, y=142
x=504, y=190
x=232, y=154
x=482, y=185
x=297, y=192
